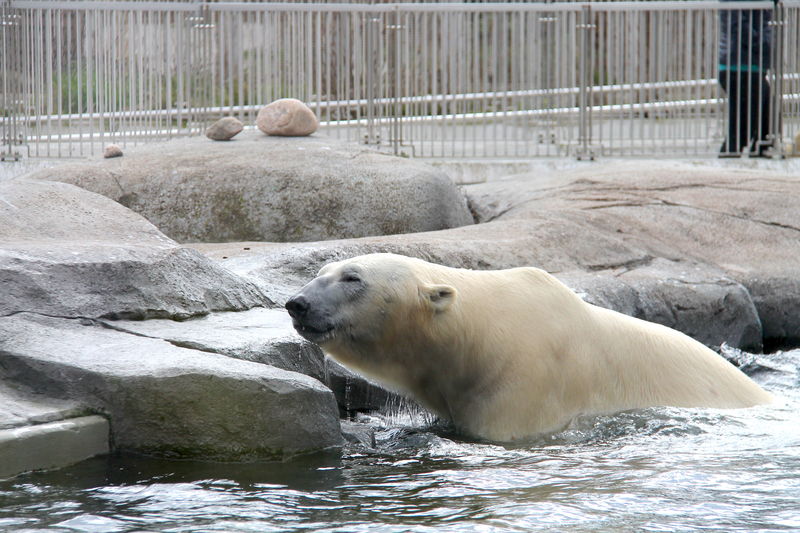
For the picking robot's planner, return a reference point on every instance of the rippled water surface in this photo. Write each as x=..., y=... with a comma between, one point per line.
x=650, y=470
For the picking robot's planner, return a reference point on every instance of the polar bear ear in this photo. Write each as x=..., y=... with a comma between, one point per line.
x=439, y=297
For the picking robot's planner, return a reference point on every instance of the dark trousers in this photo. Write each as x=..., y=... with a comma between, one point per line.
x=749, y=111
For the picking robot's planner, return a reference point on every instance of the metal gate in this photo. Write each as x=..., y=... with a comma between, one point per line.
x=424, y=80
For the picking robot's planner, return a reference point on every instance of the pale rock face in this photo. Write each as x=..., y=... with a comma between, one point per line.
x=112, y=150
x=288, y=117
x=273, y=189
x=224, y=129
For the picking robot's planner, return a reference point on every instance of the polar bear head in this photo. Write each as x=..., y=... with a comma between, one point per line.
x=359, y=308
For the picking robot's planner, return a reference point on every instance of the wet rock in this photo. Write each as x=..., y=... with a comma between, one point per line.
x=777, y=300
x=354, y=393
x=112, y=150
x=275, y=189
x=224, y=129
x=358, y=434
x=68, y=252
x=167, y=400
x=287, y=117
x=52, y=444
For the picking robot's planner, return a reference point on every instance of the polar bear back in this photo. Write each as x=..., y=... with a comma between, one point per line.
x=550, y=348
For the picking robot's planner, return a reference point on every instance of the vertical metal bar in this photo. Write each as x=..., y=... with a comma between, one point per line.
x=59, y=85
x=584, y=87
x=396, y=67
x=369, y=74
x=11, y=76
x=776, y=116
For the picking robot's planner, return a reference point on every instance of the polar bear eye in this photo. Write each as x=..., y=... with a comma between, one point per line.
x=350, y=277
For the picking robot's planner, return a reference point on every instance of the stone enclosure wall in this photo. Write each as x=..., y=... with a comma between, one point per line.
x=146, y=288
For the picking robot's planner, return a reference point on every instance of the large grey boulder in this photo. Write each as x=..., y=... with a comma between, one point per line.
x=744, y=222
x=777, y=300
x=65, y=251
x=710, y=251
x=167, y=400
x=696, y=299
x=264, y=336
x=264, y=188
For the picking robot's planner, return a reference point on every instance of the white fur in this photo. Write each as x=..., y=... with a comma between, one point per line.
x=514, y=353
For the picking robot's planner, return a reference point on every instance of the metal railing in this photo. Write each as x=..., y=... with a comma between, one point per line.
x=427, y=80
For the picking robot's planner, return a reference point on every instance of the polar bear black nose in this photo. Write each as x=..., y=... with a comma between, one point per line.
x=297, y=306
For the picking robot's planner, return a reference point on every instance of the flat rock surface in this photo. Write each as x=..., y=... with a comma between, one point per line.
x=23, y=408
x=263, y=336
x=258, y=335
x=167, y=400
x=263, y=188
x=65, y=251
x=738, y=219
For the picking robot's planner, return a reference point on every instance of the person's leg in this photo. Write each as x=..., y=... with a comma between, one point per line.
x=761, y=117
x=735, y=140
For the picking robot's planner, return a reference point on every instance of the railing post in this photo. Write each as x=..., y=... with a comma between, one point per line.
x=395, y=57
x=11, y=83
x=200, y=93
x=778, y=24
x=374, y=25
x=585, y=51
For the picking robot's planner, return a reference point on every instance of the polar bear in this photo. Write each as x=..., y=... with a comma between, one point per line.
x=507, y=354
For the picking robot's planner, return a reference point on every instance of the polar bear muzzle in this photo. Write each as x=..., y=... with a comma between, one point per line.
x=316, y=310
x=309, y=322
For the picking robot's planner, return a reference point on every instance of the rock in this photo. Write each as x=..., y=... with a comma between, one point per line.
x=696, y=299
x=68, y=252
x=112, y=150
x=707, y=250
x=264, y=336
x=274, y=189
x=359, y=434
x=354, y=393
x=777, y=300
x=19, y=408
x=259, y=335
x=224, y=129
x=52, y=445
x=287, y=117
x=743, y=222
x=166, y=400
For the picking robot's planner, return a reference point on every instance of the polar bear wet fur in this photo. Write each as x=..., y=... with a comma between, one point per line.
x=505, y=354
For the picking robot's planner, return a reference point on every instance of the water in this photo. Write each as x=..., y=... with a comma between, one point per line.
x=650, y=470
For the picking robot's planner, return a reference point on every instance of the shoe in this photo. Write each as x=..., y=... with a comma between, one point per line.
x=725, y=153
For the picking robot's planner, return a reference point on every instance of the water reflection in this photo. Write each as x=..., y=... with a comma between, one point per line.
x=649, y=470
